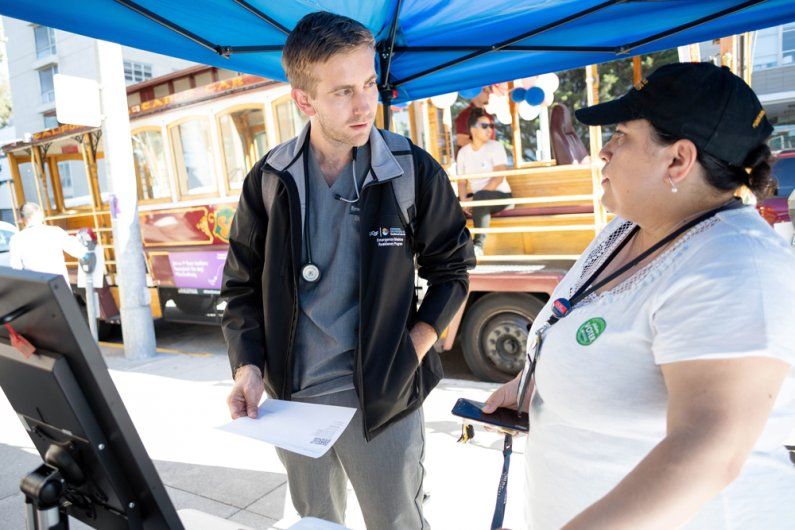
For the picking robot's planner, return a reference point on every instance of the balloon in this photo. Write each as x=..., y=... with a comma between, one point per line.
x=504, y=117
x=517, y=94
x=549, y=82
x=444, y=101
x=497, y=104
x=534, y=95
x=527, y=82
x=548, y=99
x=471, y=93
x=528, y=112
x=501, y=89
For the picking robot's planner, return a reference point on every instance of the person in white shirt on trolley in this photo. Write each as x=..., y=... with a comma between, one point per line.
x=482, y=155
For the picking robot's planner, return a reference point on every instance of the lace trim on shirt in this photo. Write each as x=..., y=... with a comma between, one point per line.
x=647, y=273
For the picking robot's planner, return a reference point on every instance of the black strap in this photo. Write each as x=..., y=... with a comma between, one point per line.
x=13, y=315
x=502, y=489
x=589, y=287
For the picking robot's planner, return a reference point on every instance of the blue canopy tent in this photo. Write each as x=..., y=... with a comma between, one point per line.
x=425, y=47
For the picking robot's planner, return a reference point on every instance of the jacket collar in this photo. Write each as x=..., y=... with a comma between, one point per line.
x=288, y=158
x=385, y=166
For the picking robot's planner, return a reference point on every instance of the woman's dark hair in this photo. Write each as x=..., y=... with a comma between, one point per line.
x=725, y=177
x=474, y=116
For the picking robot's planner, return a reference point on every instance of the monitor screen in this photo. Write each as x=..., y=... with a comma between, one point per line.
x=67, y=402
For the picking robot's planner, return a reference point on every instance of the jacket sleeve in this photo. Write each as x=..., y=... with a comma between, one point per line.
x=241, y=287
x=442, y=244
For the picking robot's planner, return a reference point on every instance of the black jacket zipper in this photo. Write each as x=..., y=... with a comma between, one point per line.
x=287, y=381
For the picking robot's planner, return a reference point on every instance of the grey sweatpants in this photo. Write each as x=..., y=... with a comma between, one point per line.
x=385, y=473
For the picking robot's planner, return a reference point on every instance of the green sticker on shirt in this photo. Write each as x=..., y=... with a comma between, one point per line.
x=590, y=331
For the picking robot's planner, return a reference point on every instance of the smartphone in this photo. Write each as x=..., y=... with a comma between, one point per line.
x=502, y=417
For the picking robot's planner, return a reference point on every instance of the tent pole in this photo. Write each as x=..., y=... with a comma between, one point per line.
x=512, y=41
x=259, y=14
x=386, y=102
x=678, y=29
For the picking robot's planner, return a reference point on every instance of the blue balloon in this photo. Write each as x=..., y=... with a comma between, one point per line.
x=470, y=93
x=534, y=95
x=518, y=94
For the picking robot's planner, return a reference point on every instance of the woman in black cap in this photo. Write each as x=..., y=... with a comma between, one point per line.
x=664, y=387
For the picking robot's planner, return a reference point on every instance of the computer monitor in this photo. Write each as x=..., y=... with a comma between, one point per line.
x=73, y=413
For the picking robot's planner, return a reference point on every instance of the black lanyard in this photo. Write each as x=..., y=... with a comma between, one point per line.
x=562, y=307
x=502, y=489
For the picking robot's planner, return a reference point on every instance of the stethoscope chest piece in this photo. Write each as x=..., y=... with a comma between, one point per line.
x=310, y=272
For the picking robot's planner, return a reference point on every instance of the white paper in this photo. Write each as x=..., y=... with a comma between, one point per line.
x=304, y=428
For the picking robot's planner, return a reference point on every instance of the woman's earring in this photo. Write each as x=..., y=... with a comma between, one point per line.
x=674, y=189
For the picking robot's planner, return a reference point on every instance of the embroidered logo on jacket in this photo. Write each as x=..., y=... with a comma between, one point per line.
x=389, y=237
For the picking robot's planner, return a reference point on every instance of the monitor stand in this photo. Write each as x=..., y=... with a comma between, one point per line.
x=43, y=488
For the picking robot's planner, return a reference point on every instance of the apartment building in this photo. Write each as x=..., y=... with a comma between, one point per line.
x=774, y=81
x=36, y=53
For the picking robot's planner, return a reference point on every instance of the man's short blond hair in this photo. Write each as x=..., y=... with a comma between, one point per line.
x=316, y=38
x=29, y=210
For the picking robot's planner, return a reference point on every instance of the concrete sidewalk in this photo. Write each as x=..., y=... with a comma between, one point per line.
x=177, y=400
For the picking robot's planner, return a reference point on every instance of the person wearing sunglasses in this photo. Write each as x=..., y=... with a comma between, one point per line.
x=660, y=377
x=482, y=155
x=461, y=123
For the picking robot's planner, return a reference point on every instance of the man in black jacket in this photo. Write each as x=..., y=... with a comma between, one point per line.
x=319, y=280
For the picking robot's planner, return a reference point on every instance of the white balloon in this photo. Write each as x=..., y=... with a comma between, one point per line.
x=444, y=101
x=549, y=82
x=528, y=112
x=504, y=117
x=502, y=103
x=492, y=105
x=549, y=98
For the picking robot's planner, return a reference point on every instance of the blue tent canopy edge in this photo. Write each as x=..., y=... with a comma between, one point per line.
x=424, y=47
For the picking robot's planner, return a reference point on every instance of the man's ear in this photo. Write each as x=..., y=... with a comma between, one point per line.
x=301, y=98
x=685, y=156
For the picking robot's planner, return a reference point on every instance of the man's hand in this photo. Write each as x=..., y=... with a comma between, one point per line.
x=423, y=337
x=505, y=396
x=246, y=392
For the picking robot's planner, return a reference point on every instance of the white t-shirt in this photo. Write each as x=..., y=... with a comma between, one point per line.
x=724, y=290
x=491, y=154
x=40, y=248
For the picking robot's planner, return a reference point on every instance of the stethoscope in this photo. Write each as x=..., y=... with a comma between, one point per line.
x=311, y=272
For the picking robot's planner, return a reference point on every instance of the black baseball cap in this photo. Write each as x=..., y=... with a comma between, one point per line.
x=701, y=102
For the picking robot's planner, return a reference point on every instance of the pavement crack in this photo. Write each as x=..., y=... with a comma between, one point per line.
x=264, y=495
x=238, y=508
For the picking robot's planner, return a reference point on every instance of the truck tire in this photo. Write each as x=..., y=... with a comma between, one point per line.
x=494, y=334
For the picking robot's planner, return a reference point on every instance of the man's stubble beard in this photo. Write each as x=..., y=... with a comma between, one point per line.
x=337, y=136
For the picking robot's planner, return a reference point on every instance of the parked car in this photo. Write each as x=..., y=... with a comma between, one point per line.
x=776, y=210
x=6, y=231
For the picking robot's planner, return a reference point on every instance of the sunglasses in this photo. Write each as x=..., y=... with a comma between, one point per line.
x=486, y=125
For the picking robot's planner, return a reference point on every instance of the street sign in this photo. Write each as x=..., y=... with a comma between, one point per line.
x=77, y=100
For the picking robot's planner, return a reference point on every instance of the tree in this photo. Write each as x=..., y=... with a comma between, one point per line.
x=615, y=80
x=5, y=104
